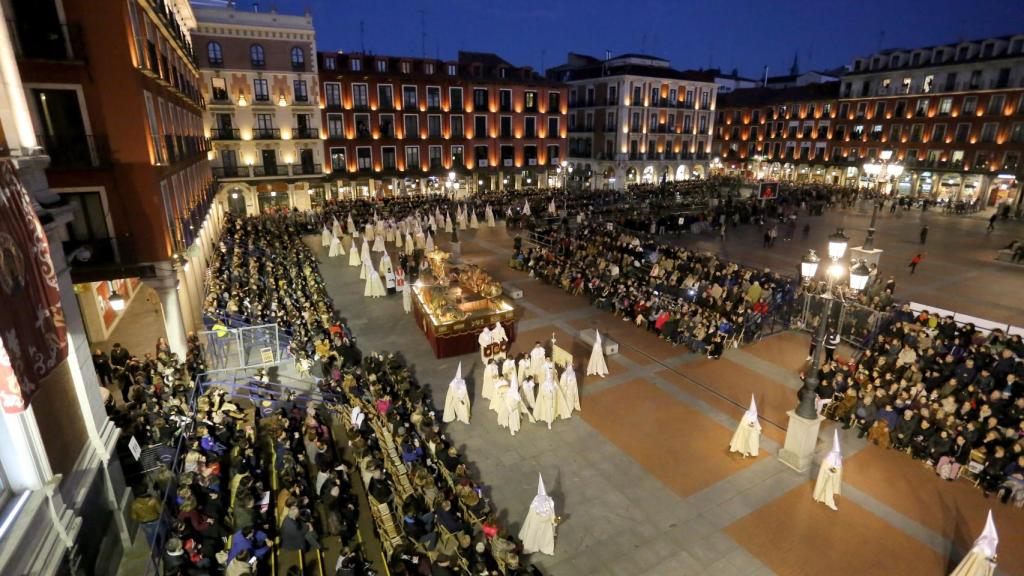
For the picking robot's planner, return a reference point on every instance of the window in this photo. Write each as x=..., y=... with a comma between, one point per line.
x=458, y=156
x=970, y=104
x=963, y=131
x=705, y=99
x=264, y=126
x=480, y=98
x=220, y=89
x=862, y=108
x=412, y=157
x=388, y=157
x=916, y=132
x=613, y=95
x=480, y=127
x=883, y=88
x=995, y=105
x=929, y=83
x=364, y=158
x=938, y=133
x=434, y=126
x=453, y=69
x=921, y=108
x=876, y=132
x=857, y=132
x=844, y=110
x=945, y=106
x=703, y=124
x=409, y=99
x=260, y=91
x=89, y=222
x=505, y=127
x=457, y=129
x=687, y=124
x=455, y=99
x=256, y=56
x=433, y=98
x=428, y=68
x=530, y=101
x=553, y=131
x=214, y=54
x=385, y=97
x=507, y=154
x=298, y=59
x=480, y=156
x=988, y=133
x=355, y=64
x=387, y=125
x=335, y=126
x=901, y=107
x=905, y=85
x=1017, y=134
x=894, y=133
x=332, y=94
x=555, y=100
x=530, y=127
x=299, y=89
x=360, y=96
x=950, y=82
x=434, y=156
x=406, y=67
x=330, y=64
x=505, y=100
x=879, y=110
x=381, y=65
x=975, y=81
x=412, y=126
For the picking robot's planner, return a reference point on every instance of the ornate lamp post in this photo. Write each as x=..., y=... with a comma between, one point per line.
x=804, y=422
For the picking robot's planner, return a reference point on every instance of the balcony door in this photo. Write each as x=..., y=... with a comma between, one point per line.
x=229, y=163
x=62, y=128
x=269, y=162
x=307, y=161
x=38, y=31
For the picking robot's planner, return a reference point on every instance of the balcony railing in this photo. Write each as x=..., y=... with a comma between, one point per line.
x=74, y=151
x=103, y=251
x=306, y=133
x=38, y=41
x=224, y=134
x=266, y=133
x=307, y=169
x=230, y=172
x=269, y=170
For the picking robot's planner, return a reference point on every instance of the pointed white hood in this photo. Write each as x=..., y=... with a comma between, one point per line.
x=751, y=413
x=987, y=542
x=542, y=504
x=835, y=457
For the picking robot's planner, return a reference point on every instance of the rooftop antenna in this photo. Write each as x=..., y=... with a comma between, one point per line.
x=423, y=33
x=362, y=31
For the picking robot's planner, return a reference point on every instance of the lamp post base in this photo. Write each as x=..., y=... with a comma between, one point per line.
x=801, y=440
x=868, y=255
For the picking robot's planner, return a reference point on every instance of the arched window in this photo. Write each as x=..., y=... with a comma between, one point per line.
x=214, y=53
x=256, y=56
x=298, y=58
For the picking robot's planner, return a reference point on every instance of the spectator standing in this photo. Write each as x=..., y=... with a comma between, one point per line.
x=914, y=262
x=924, y=234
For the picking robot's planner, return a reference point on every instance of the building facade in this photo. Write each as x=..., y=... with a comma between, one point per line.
x=113, y=91
x=953, y=115
x=634, y=119
x=397, y=125
x=63, y=502
x=259, y=78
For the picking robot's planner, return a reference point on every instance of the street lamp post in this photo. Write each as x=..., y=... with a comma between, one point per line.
x=804, y=422
x=881, y=171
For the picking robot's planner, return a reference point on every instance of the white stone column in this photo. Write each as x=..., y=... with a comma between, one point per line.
x=166, y=286
x=801, y=440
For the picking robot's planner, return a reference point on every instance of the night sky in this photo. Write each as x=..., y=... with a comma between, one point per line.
x=743, y=34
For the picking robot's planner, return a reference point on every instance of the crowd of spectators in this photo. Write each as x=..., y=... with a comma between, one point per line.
x=949, y=395
x=686, y=297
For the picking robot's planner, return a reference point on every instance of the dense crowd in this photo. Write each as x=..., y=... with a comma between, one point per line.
x=685, y=297
x=950, y=395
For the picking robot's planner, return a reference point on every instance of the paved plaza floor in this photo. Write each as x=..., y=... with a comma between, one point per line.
x=642, y=477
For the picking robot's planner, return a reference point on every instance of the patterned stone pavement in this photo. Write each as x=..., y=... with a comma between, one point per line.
x=642, y=477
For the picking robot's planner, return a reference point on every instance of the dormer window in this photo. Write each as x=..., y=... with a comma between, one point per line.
x=406, y=67
x=453, y=69
x=962, y=52
x=329, y=63
x=356, y=64
x=876, y=63
x=428, y=68
x=894, y=61
x=503, y=72
x=382, y=65
x=988, y=49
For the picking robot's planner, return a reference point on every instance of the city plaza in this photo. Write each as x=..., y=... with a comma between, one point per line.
x=260, y=327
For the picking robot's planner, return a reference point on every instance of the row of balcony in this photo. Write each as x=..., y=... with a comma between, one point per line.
x=158, y=66
x=169, y=19
x=264, y=134
x=267, y=171
x=180, y=148
x=661, y=103
x=222, y=97
x=46, y=41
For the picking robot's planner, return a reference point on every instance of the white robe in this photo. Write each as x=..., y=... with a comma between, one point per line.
x=538, y=532
x=410, y=247
x=537, y=363
x=406, y=298
x=514, y=410
x=378, y=243
x=325, y=237
x=374, y=288
x=489, y=216
x=747, y=438
x=523, y=368
x=597, y=365
x=550, y=403
x=484, y=340
x=508, y=367
x=497, y=398
x=456, y=403
x=529, y=393
x=336, y=248
x=490, y=377
x=353, y=254
x=567, y=382
x=336, y=228
x=473, y=222
x=828, y=484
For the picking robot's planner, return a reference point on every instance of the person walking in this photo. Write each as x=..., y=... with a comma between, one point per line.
x=831, y=343
x=914, y=262
x=924, y=234
x=992, y=222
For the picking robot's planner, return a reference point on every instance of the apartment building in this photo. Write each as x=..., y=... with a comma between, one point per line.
x=259, y=79
x=635, y=119
x=403, y=125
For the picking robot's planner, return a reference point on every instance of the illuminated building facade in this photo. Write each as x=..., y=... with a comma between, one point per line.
x=399, y=125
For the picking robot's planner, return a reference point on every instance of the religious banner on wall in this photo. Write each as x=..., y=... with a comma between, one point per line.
x=33, y=335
